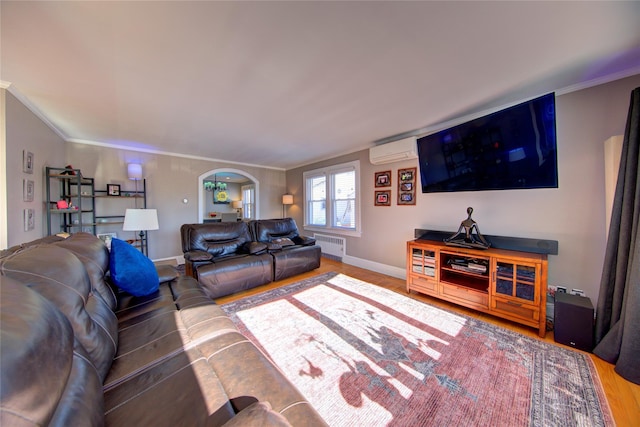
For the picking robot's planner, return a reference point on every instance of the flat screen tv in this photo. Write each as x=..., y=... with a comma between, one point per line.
x=514, y=148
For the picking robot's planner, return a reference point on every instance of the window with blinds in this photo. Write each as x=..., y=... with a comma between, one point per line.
x=248, y=202
x=331, y=198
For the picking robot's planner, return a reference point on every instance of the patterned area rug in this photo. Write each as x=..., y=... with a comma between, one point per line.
x=367, y=356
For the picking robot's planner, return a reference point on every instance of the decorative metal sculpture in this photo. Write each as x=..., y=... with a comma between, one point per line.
x=465, y=236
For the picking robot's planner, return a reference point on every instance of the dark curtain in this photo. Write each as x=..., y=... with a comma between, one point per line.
x=618, y=313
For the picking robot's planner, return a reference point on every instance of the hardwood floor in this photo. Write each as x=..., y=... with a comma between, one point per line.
x=623, y=396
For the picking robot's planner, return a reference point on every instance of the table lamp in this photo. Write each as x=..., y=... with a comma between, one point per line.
x=141, y=220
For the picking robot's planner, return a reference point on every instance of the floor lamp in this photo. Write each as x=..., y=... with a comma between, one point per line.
x=287, y=199
x=134, y=173
x=141, y=220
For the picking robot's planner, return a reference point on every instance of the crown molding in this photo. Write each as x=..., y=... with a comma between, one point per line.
x=31, y=107
x=416, y=132
x=167, y=153
x=599, y=81
x=427, y=130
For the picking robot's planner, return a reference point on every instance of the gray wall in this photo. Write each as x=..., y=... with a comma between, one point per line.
x=573, y=214
x=170, y=179
x=25, y=131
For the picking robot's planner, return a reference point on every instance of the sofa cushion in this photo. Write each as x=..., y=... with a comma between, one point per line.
x=268, y=230
x=93, y=253
x=131, y=271
x=234, y=274
x=59, y=276
x=293, y=260
x=283, y=241
x=258, y=414
x=157, y=336
x=254, y=248
x=166, y=273
x=249, y=376
x=218, y=239
x=47, y=378
x=182, y=390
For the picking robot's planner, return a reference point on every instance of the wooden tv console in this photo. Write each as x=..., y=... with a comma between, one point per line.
x=505, y=283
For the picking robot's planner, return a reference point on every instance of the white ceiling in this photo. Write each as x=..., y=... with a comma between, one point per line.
x=281, y=84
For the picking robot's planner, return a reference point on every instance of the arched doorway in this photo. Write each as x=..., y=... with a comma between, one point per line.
x=202, y=193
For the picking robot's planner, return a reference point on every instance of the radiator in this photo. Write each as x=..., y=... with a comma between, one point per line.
x=331, y=245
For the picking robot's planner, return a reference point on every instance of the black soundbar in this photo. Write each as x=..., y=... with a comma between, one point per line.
x=523, y=244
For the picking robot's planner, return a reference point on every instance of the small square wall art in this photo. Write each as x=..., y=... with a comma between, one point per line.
x=407, y=186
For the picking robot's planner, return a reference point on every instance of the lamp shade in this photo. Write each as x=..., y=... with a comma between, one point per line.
x=287, y=199
x=140, y=219
x=134, y=171
x=236, y=204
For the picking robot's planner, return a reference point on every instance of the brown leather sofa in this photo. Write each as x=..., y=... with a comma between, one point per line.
x=231, y=257
x=76, y=351
x=292, y=253
x=223, y=257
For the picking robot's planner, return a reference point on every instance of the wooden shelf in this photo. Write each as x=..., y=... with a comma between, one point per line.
x=525, y=301
x=477, y=284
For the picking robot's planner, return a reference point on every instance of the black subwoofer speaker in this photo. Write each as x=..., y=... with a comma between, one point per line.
x=573, y=321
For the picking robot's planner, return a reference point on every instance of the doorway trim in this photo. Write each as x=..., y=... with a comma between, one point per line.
x=202, y=191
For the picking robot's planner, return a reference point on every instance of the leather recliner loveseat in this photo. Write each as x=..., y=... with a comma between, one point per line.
x=292, y=253
x=223, y=257
x=231, y=257
x=78, y=351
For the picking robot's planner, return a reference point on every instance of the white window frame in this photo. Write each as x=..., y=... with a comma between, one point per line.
x=248, y=203
x=329, y=172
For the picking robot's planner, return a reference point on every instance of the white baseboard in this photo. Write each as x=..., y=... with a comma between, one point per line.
x=389, y=270
x=178, y=259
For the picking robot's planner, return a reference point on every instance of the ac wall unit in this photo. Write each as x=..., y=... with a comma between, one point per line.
x=396, y=151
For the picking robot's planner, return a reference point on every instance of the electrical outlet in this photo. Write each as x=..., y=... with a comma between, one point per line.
x=561, y=289
x=579, y=292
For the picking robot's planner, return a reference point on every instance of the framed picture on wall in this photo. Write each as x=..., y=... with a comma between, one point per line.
x=383, y=179
x=27, y=161
x=382, y=198
x=27, y=190
x=221, y=197
x=29, y=219
x=113, y=189
x=407, y=186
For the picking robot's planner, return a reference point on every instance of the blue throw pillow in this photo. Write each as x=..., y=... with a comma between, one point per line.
x=131, y=271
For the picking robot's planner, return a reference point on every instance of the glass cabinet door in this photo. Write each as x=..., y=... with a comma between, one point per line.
x=515, y=280
x=423, y=262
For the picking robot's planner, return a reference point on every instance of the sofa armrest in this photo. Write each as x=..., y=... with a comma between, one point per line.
x=257, y=414
x=166, y=273
x=254, y=248
x=304, y=240
x=272, y=246
x=197, y=256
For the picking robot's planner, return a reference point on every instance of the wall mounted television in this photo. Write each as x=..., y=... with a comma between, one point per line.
x=514, y=148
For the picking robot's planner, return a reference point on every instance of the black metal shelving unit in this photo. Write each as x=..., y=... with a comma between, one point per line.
x=139, y=199
x=68, y=185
